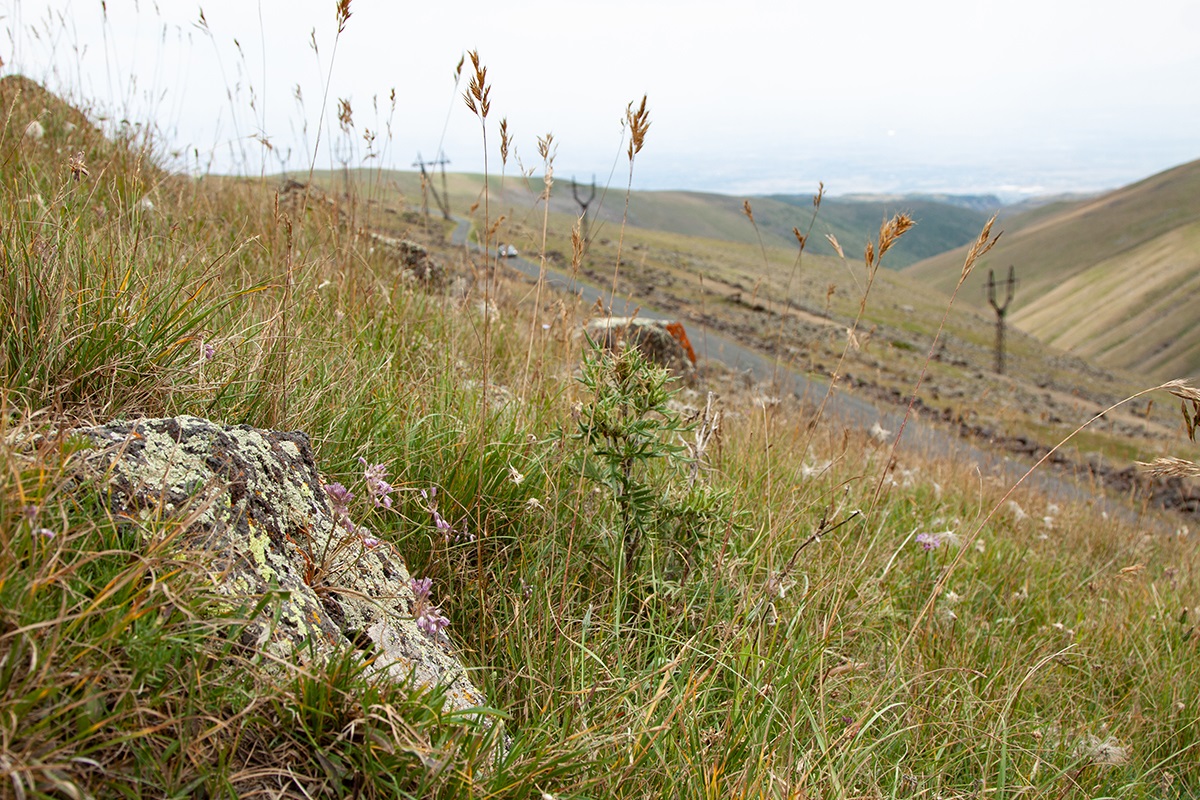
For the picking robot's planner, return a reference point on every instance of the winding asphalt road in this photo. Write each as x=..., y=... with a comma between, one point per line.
x=847, y=408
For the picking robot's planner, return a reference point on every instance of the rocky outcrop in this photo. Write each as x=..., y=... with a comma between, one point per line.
x=664, y=343
x=253, y=501
x=413, y=259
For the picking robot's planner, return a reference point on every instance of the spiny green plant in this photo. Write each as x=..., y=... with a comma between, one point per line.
x=632, y=446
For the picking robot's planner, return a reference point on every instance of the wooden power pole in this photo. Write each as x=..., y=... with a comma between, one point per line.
x=1001, y=310
x=443, y=201
x=583, y=205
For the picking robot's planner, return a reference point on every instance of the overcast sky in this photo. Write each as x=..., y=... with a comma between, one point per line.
x=753, y=96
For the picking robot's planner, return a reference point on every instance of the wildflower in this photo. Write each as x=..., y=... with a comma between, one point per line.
x=439, y=522
x=814, y=470
x=953, y=597
x=928, y=541
x=533, y=504
x=432, y=621
x=340, y=497
x=1017, y=512
x=34, y=130
x=1103, y=753
x=421, y=587
x=428, y=616
x=880, y=433
x=77, y=166
x=516, y=477
x=377, y=487
x=46, y=533
x=778, y=585
x=370, y=542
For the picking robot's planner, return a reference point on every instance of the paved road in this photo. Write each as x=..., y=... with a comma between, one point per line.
x=847, y=408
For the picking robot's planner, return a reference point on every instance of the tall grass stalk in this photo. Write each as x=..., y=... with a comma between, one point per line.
x=546, y=151
x=638, y=123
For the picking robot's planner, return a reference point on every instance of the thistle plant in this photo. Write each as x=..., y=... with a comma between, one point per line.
x=632, y=446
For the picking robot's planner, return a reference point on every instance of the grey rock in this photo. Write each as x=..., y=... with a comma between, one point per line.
x=254, y=500
x=660, y=341
x=414, y=259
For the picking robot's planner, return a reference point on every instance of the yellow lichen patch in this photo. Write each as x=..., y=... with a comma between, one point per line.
x=258, y=543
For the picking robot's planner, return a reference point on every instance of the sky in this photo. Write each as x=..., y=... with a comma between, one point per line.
x=1014, y=98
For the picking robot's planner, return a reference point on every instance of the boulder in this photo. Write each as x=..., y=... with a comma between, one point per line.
x=254, y=500
x=414, y=259
x=665, y=343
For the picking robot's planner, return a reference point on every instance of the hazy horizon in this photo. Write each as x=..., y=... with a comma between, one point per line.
x=767, y=98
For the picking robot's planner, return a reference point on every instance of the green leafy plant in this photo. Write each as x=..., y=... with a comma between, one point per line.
x=633, y=447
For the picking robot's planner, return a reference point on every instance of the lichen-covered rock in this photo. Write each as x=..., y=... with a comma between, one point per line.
x=414, y=259
x=255, y=501
x=664, y=343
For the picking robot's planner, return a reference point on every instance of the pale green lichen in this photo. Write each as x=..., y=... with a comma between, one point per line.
x=279, y=539
x=257, y=542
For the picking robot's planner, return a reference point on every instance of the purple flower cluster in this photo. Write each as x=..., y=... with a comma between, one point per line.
x=339, y=498
x=929, y=541
x=379, y=489
x=447, y=530
x=428, y=616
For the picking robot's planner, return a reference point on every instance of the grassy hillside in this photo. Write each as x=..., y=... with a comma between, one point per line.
x=665, y=594
x=942, y=224
x=1109, y=279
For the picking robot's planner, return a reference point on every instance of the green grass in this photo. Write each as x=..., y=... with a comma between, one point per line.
x=777, y=631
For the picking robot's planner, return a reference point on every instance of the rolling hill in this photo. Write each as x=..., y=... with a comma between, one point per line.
x=1114, y=279
x=943, y=222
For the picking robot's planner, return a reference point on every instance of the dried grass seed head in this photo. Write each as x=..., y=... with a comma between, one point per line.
x=891, y=231
x=1170, y=467
x=545, y=146
x=836, y=246
x=982, y=245
x=639, y=123
x=477, y=94
x=343, y=14
x=800, y=237
x=1189, y=403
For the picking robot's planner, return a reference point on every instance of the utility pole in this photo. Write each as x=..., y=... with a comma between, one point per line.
x=583, y=205
x=1001, y=310
x=426, y=181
